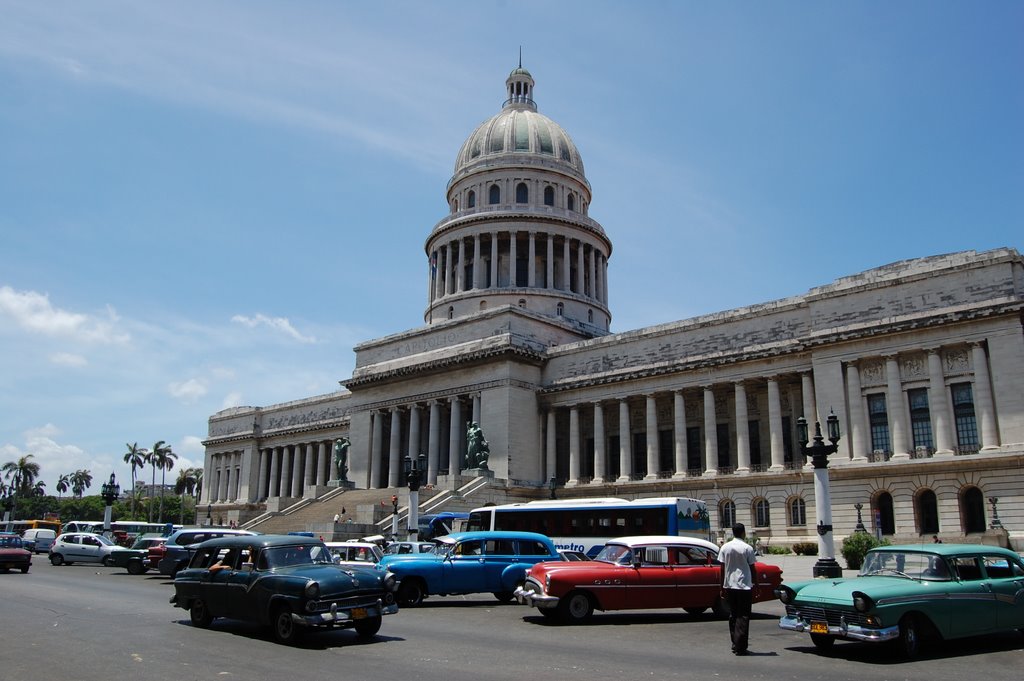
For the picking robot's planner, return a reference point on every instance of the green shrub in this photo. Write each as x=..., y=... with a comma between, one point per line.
x=805, y=548
x=776, y=550
x=858, y=544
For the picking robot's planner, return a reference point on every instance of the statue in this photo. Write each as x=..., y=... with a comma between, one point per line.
x=477, y=449
x=341, y=446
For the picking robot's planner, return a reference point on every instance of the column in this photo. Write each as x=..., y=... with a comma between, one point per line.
x=574, y=446
x=855, y=405
x=598, y=284
x=296, y=472
x=261, y=489
x=580, y=267
x=434, y=442
x=395, y=449
x=600, y=462
x=325, y=462
x=310, y=467
x=512, y=257
x=710, y=433
x=604, y=279
x=476, y=408
x=478, y=271
x=454, y=436
x=414, y=432
x=550, y=459
x=625, y=446
x=778, y=444
x=566, y=265
x=550, y=264
x=937, y=406
x=983, y=398
x=652, y=437
x=679, y=433
x=896, y=408
x=593, y=273
x=460, y=262
x=531, y=266
x=810, y=409
x=377, y=449
x=430, y=276
x=494, y=260
x=450, y=268
x=225, y=477
x=275, y=476
x=439, y=282
x=742, y=429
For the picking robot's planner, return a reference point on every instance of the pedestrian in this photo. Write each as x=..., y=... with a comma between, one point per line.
x=737, y=559
x=935, y=539
x=337, y=518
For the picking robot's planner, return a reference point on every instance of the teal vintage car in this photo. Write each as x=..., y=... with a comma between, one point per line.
x=909, y=594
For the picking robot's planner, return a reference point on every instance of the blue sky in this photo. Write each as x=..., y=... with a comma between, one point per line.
x=208, y=204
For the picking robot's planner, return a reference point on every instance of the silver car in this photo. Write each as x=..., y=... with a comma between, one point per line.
x=83, y=547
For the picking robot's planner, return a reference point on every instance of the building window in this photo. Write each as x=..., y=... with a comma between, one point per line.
x=471, y=199
x=494, y=196
x=590, y=316
x=927, y=512
x=754, y=438
x=879, y=420
x=571, y=202
x=972, y=510
x=920, y=418
x=560, y=309
x=455, y=205
x=522, y=193
x=483, y=305
x=963, y=416
x=724, y=451
x=549, y=196
x=694, y=444
x=451, y=312
x=522, y=302
x=797, y=511
x=762, y=516
x=886, y=520
x=727, y=513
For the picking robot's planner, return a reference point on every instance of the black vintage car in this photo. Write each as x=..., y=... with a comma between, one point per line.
x=284, y=581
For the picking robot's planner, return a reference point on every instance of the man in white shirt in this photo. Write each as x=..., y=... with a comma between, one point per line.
x=737, y=559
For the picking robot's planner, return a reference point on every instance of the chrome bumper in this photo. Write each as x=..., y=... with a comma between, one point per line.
x=844, y=630
x=336, y=615
x=534, y=599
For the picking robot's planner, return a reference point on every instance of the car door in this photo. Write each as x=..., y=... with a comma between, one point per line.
x=972, y=598
x=499, y=555
x=89, y=550
x=1006, y=577
x=654, y=583
x=213, y=582
x=698, y=578
x=463, y=569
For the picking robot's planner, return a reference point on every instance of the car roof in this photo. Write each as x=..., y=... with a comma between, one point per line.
x=666, y=539
x=949, y=549
x=354, y=544
x=262, y=540
x=493, y=534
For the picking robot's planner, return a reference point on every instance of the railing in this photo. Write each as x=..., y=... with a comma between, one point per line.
x=726, y=470
x=793, y=465
x=759, y=467
x=694, y=473
x=966, y=450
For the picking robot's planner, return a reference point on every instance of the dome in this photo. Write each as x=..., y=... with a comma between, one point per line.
x=519, y=135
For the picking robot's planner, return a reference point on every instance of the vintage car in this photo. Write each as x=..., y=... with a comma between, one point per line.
x=13, y=554
x=909, y=593
x=469, y=562
x=354, y=552
x=174, y=553
x=632, y=573
x=136, y=558
x=83, y=547
x=403, y=548
x=287, y=582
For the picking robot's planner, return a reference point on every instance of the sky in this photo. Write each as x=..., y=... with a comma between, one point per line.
x=209, y=204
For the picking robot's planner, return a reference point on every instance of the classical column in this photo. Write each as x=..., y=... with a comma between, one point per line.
x=710, y=433
x=512, y=257
x=325, y=458
x=550, y=264
x=455, y=436
x=225, y=477
x=592, y=270
x=574, y=445
x=395, y=450
x=442, y=265
x=477, y=260
x=377, y=449
x=296, y=487
x=275, y=475
x=261, y=489
x=566, y=265
x=778, y=444
x=810, y=409
x=625, y=447
x=580, y=267
x=937, y=405
x=414, y=431
x=310, y=467
x=476, y=408
x=604, y=279
x=494, y=260
x=855, y=405
x=652, y=438
x=679, y=433
x=531, y=266
x=983, y=398
x=550, y=455
x=434, y=442
x=895, y=406
x=742, y=429
x=600, y=462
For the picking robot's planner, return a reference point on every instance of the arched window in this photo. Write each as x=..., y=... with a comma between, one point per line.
x=927, y=512
x=797, y=511
x=522, y=302
x=494, y=196
x=483, y=305
x=590, y=316
x=883, y=505
x=522, y=193
x=762, y=514
x=471, y=199
x=455, y=205
x=549, y=196
x=972, y=510
x=560, y=309
x=451, y=312
x=571, y=202
x=726, y=513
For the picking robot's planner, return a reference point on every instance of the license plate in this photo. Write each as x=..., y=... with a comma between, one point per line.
x=819, y=628
x=359, y=613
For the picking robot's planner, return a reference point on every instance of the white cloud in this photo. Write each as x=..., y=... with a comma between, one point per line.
x=277, y=323
x=187, y=391
x=33, y=312
x=233, y=399
x=68, y=359
x=191, y=445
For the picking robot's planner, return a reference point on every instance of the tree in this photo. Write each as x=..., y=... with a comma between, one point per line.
x=38, y=489
x=81, y=480
x=165, y=462
x=63, y=485
x=188, y=482
x=152, y=456
x=22, y=474
x=136, y=458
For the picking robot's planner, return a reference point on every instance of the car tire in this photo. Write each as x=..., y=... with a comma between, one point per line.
x=369, y=626
x=575, y=608
x=410, y=593
x=503, y=596
x=909, y=641
x=823, y=641
x=108, y=561
x=56, y=559
x=135, y=567
x=283, y=626
x=694, y=611
x=200, y=614
x=24, y=570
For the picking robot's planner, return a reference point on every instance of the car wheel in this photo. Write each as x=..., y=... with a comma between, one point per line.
x=694, y=611
x=24, y=570
x=910, y=636
x=575, y=608
x=410, y=593
x=284, y=627
x=108, y=561
x=720, y=607
x=200, y=614
x=822, y=641
x=503, y=596
x=135, y=567
x=368, y=627
x=56, y=559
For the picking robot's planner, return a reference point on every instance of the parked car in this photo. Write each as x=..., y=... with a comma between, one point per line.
x=633, y=573
x=38, y=540
x=469, y=562
x=286, y=582
x=173, y=554
x=911, y=593
x=83, y=547
x=13, y=554
x=408, y=547
x=354, y=552
x=136, y=558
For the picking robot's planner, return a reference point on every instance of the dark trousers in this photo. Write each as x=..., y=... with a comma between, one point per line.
x=739, y=601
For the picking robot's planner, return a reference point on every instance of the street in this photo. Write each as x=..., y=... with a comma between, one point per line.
x=88, y=623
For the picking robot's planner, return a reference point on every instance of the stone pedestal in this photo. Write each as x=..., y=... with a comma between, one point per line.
x=476, y=473
x=344, y=484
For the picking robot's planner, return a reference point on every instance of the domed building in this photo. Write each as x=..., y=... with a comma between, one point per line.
x=922, y=361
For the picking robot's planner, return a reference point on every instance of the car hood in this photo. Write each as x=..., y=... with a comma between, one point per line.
x=346, y=575
x=840, y=591
x=406, y=560
x=572, y=567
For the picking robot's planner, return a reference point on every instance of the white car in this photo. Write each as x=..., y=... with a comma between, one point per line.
x=354, y=552
x=404, y=547
x=83, y=547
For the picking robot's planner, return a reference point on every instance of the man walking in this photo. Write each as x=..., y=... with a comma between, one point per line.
x=737, y=559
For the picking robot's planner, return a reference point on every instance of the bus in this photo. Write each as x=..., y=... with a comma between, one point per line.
x=439, y=524
x=586, y=524
x=19, y=526
x=126, y=530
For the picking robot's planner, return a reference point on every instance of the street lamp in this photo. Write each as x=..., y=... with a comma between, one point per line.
x=819, y=451
x=415, y=471
x=209, y=515
x=860, y=521
x=995, y=524
x=109, y=491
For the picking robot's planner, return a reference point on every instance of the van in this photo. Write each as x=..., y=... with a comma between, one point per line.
x=38, y=541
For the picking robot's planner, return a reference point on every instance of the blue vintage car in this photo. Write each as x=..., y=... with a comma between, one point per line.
x=908, y=594
x=286, y=582
x=470, y=562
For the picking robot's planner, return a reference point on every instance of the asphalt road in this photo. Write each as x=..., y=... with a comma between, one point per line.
x=90, y=623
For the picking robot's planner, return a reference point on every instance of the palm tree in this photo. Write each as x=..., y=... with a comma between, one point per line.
x=22, y=473
x=63, y=484
x=38, y=489
x=81, y=480
x=151, y=459
x=186, y=484
x=136, y=458
x=165, y=462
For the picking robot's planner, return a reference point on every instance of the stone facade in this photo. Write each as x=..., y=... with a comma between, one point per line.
x=922, y=361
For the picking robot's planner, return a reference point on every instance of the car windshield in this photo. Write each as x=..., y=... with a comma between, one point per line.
x=909, y=564
x=615, y=553
x=284, y=556
x=10, y=542
x=103, y=540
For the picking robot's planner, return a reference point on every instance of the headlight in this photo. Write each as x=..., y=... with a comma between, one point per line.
x=390, y=583
x=547, y=582
x=862, y=602
x=312, y=590
x=785, y=594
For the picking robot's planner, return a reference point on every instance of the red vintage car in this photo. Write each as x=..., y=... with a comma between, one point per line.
x=633, y=573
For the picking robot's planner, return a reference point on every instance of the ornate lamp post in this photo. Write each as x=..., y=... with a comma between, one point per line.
x=860, y=521
x=109, y=491
x=415, y=471
x=8, y=503
x=996, y=524
x=209, y=515
x=819, y=451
